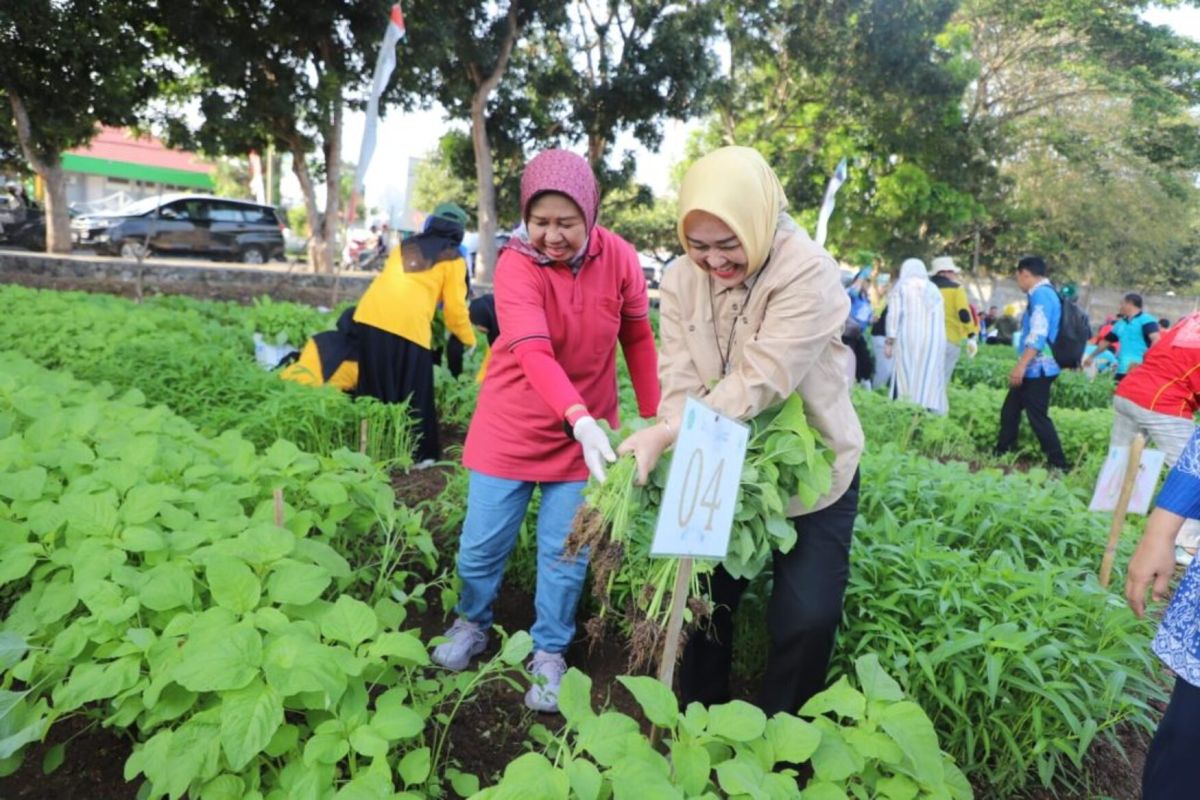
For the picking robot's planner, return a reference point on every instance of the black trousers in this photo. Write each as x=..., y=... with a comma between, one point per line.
x=1170, y=772
x=802, y=616
x=1032, y=397
x=393, y=369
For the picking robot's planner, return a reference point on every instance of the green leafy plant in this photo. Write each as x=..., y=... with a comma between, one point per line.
x=868, y=743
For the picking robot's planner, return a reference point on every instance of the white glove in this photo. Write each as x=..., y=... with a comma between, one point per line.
x=596, y=447
x=972, y=348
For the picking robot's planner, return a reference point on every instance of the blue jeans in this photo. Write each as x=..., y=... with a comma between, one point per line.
x=495, y=510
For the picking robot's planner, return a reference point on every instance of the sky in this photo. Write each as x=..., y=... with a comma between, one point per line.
x=402, y=136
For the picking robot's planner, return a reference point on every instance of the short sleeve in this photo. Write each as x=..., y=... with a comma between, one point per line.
x=1181, y=492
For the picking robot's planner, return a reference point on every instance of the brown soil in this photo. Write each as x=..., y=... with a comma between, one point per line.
x=93, y=769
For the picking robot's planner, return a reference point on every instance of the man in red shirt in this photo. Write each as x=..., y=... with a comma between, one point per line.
x=1159, y=400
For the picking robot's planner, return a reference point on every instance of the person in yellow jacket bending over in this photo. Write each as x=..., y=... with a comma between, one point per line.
x=329, y=358
x=395, y=318
x=960, y=322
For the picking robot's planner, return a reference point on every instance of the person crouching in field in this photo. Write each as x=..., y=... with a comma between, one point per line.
x=395, y=324
x=752, y=313
x=567, y=291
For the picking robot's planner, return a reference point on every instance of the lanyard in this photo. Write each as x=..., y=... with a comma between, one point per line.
x=726, y=355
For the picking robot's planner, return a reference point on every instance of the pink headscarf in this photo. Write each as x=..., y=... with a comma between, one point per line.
x=567, y=174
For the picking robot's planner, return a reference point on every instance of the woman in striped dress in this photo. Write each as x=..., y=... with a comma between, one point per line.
x=916, y=339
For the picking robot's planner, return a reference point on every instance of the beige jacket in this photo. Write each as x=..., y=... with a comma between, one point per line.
x=789, y=318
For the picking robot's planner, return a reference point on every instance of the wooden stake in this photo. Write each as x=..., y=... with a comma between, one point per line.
x=279, y=508
x=1118, y=523
x=362, y=436
x=679, y=596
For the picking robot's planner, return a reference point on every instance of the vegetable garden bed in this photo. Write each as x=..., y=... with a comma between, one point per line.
x=972, y=584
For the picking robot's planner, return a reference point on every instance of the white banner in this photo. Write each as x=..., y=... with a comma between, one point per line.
x=835, y=183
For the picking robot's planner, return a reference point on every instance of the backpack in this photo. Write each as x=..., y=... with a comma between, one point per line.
x=1074, y=331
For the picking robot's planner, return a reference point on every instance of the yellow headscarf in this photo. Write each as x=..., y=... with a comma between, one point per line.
x=736, y=185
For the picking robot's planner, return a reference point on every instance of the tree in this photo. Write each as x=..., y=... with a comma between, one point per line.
x=281, y=74
x=69, y=66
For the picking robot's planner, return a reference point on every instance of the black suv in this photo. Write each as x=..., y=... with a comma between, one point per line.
x=185, y=224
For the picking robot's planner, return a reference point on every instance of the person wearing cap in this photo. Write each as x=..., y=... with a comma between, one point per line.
x=1135, y=331
x=567, y=292
x=961, y=325
x=329, y=358
x=751, y=314
x=395, y=324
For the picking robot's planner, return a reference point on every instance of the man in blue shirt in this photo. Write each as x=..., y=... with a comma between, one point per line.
x=1030, y=380
x=1135, y=331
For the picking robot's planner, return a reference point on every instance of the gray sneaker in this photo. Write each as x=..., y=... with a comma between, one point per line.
x=547, y=671
x=467, y=640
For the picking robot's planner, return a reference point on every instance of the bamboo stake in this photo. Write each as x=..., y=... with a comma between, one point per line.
x=1118, y=523
x=679, y=594
x=362, y=436
x=279, y=508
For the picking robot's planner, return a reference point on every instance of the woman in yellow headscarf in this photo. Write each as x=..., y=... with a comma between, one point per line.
x=752, y=313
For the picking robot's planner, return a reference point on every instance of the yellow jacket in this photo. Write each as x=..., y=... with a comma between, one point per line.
x=960, y=322
x=403, y=303
x=309, y=370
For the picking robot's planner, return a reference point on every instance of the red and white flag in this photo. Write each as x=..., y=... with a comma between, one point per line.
x=384, y=64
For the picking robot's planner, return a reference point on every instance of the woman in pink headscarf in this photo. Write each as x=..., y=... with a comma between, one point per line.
x=567, y=291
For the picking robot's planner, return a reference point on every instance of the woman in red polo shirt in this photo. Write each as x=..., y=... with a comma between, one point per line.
x=567, y=291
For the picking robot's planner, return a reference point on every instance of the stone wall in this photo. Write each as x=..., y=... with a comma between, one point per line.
x=1097, y=301
x=179, y=276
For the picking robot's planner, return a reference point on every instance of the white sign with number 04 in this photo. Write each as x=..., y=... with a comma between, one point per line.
x=696, y=516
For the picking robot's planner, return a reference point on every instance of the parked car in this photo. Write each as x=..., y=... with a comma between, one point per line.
x=185, y=224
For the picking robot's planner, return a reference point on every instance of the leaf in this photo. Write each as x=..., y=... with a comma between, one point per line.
x=141, y=540
x=414, y=767
x=224, y=787
x=12, y=649
x=575, y=697
x=167, y=586
x=794, y=740
x=294, y=663
x=821, y=790
x=897, y=787
x=584, y=778
x=27, y=484
x=834, y=760
x=294, y=583
x=691, y=764
x=465, y=784
x=841, y=698
x=657, y=701
x=533, y=775
x=220, y=660
x=604, y=736
x=53, y=758
x=249, y=718
x=737, y=721
x=350, y=621
x=875, y=682
x=403, y=647
x=327, y=491
x=911, y=729
x=395, y=720
x=368, y=742
x=324, y=748
x=741, y=776
x=233, y=584
x=517, y=648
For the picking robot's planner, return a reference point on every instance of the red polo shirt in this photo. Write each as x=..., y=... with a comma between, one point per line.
x=1168, y=380
x=557, y=347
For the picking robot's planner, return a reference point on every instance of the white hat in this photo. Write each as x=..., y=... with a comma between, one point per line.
x=943, y=264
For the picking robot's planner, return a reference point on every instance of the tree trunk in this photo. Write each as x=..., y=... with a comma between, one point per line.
x=317, y=253
x=49, y=169
x=485, y=174
x=333, y=180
